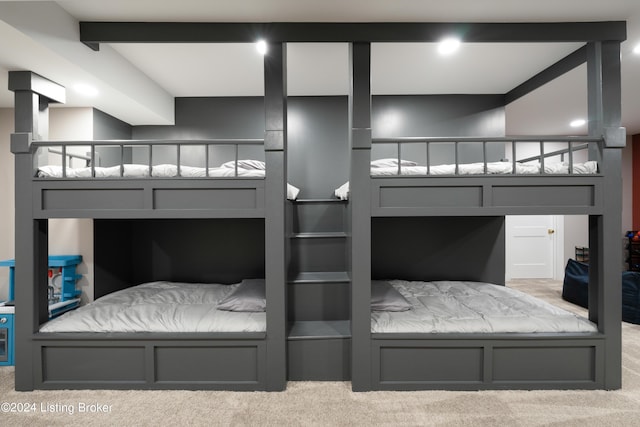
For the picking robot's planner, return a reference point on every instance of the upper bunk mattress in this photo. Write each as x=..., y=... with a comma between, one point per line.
x=160, y=307
x=160, y=171
x=473, y=307
x=142, y=171
x=389, y=168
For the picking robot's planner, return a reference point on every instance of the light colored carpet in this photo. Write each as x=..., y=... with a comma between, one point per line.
x=333, y=403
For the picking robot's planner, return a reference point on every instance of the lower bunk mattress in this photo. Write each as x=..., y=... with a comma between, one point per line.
x=171, y=307
x=466, y=307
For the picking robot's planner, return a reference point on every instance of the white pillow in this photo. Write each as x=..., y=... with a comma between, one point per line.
x=389, y=163
x=292, y=192
x=245, y=164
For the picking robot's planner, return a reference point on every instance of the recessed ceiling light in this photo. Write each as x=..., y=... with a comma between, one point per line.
x=261, y=46
x=577, y=123
x=448, y=46
x=85, y=89
x=636, y=49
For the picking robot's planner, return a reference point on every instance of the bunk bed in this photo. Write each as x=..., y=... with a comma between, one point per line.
x=187, y=294
x=146, y=333
x=586, y=358
x=463, y=332
x=429, y=303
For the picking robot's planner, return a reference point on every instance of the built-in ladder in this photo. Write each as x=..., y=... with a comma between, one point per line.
x=319, y=336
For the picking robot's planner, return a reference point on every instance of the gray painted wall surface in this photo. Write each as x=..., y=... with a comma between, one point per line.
x=438, y=116
x=136, y=251
x=438, y=248
x=206, y=118
x=211, y=118
x=108, y=127
x=318, y=156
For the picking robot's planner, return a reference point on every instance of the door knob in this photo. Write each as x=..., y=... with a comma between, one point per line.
x=551, y=231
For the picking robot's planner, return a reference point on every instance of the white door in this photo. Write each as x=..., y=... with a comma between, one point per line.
x=530, y=246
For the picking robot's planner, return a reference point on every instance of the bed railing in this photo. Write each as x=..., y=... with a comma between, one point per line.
x=516, y=152
x=204, y=154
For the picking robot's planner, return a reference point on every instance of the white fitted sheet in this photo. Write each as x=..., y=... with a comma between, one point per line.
x=474, y=307
x=160, y=307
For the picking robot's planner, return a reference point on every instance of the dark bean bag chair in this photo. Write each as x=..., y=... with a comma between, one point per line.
x=575, y=289
x=631, y=297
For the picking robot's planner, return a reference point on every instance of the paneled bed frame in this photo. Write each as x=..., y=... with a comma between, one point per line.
x=160, y=209
x=377, y=206
x=444, y=227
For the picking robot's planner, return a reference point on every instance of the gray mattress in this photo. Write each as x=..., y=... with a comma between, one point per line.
x=473, y=307
x=160, y=307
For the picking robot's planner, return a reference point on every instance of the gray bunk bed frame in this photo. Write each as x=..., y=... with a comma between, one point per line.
x=78, y=361
x=224, y=360
x=410, y=361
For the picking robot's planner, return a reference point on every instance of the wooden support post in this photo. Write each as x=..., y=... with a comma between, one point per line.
x=275, y=143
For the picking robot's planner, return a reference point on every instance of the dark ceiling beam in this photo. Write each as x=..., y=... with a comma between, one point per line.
x=550, y=73
x=94, y=33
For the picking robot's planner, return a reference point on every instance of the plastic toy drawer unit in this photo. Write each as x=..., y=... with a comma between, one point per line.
x=64, y=294
x=6, y=336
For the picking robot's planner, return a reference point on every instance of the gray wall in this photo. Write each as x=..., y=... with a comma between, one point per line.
x=438, y=116
x=211, y=118
x=207, y=118
x=318, y=150
x=438, y=248
x=199, y=250
x=108, y=127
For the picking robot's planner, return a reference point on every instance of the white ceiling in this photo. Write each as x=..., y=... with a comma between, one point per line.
x=138, y=82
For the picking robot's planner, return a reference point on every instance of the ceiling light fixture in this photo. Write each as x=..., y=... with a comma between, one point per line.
x=85, y=89
x=448, y=46
x=261, y=47
x=577, y=123
x=636, y=49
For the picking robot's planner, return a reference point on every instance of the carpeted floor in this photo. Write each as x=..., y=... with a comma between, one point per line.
x=333, y=403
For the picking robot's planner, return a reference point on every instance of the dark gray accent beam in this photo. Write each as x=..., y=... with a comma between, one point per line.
x=360, y=214
x=93, y=33
x=32, y=82
x=605, y=231
x=561, y=67
x=275, y=140
x=33, y=94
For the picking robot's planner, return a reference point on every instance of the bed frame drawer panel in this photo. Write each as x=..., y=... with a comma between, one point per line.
x=92, y=200
x=529, y=364
x=205, y=198
x=429, y=196
x=570, y=195
x=425, y=365
x=230, y=364
x=84, y=364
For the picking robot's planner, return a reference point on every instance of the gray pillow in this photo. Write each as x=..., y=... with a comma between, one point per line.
x=385, y=297
x=248, y=296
